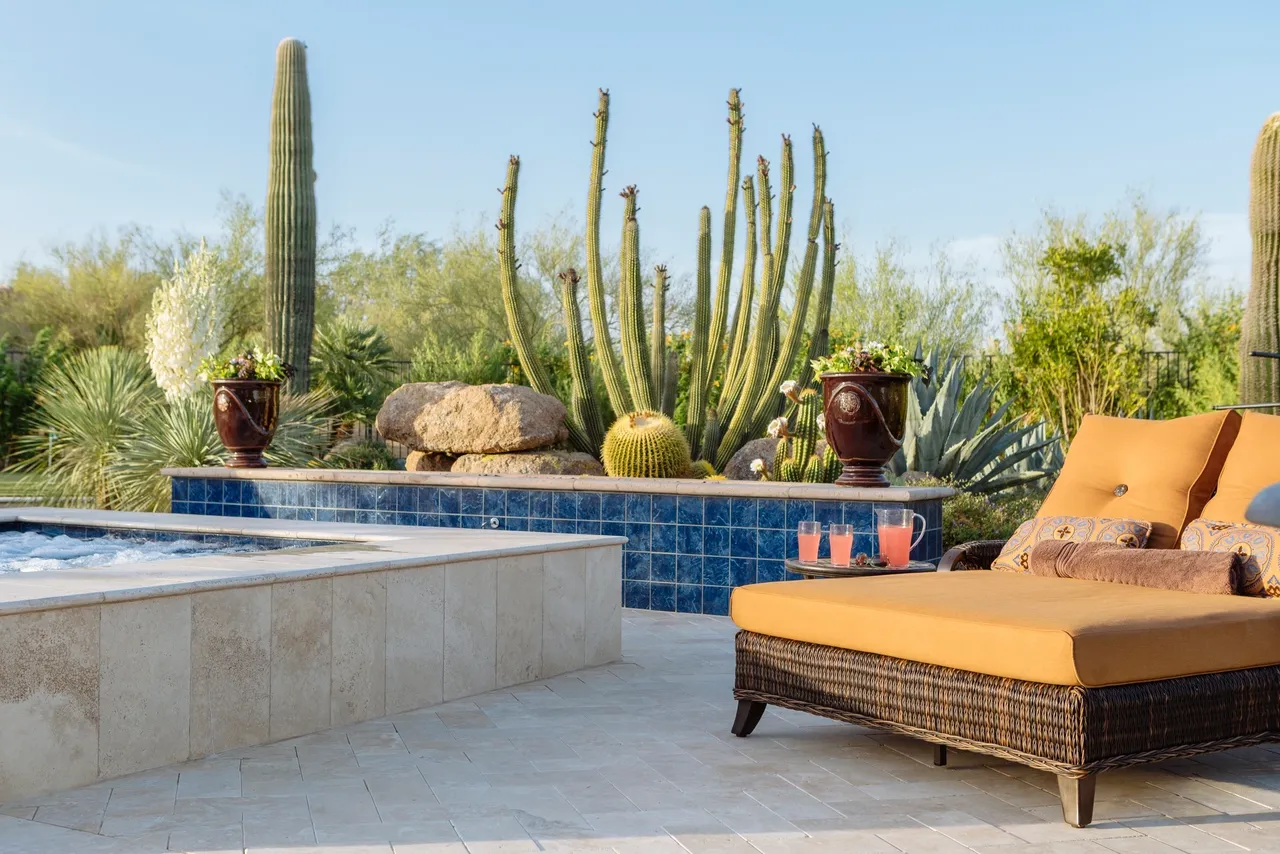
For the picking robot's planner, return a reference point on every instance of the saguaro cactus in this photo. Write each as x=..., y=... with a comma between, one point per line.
x=291, y=217
x=1260, y=378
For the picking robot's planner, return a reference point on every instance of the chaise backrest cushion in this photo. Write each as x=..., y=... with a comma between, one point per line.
x=1252, y=464
x=1162, y=472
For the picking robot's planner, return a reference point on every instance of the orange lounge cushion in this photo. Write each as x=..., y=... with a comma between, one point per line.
x=1162, y=472
x=1252, y=464
x=1060, y=631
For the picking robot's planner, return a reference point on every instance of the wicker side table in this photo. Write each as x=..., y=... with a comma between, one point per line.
x=823, y=568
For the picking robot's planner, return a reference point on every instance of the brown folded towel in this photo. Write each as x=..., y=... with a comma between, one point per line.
x=1164, y=569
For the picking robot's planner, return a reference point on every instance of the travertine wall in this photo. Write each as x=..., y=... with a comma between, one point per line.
x=98, y=691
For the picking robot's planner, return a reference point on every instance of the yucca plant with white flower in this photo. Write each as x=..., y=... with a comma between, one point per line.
x=187, y=324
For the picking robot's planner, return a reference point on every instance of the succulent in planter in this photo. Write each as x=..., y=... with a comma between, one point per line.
x=864, y=406
x=246, y=403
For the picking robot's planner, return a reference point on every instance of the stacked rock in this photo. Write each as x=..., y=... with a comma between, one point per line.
x=484, y=429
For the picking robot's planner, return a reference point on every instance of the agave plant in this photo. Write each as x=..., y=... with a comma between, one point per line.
x=958, y=438
x=178, y=434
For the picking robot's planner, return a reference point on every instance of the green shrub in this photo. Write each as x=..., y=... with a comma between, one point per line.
x=360, y=454
x=352, y=364
x=20, y=379
x=969, y=516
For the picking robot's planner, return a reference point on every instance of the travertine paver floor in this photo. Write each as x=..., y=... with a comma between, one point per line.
x=637, y=758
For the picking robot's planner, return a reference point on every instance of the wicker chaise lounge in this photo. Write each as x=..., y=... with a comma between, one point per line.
x=1071, y=677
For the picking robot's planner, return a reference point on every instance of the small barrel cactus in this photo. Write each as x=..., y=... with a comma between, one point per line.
x=646, y=444
x=703, y=470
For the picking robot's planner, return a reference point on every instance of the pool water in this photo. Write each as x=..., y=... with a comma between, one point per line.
x=42, y=548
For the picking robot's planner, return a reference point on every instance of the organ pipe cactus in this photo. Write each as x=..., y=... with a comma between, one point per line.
x=646, y=444
x=658, y=335
x=290, y=222
x=582, y=404
x=1260, y=378
x=733, y=370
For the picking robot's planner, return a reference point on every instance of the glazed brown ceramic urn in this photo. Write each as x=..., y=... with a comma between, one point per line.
x=245, y=413
x=865, y=414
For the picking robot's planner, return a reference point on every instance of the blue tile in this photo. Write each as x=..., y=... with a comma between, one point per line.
x=428, y=499
x=471, y=501
x=639, y=507
x=638, y=534
x=449, y=520
x=742, y=542
x=715, y=570
x=447, y=499
x=517, y=523
x=564, y=526
x=290, y=513
x=494, y=502
x=181, y=488
x=715, y=540
x=865, y=544
x=428, y=520
x=662, y=597
x=306, y=514
x=196, y=490
x=588, y=505
x=588, y=526
x=613, y=529
x=689, y=509
x=689, y=598
x=664, y=508
x=474, y=522
x=798, y=510
x=366, y=497
x=688, y=569
x=635, y=594
x=689, y=539
x=176, y=506
x=771, y=544
x=772, y=513
x=518, y=502
x=406, y=499
x=859, y=515
x=636, y=566
x=384, y=517
x=386, y=499
x=770, y=570
x=326, y=494
x=828, y=512
x=344, y=500
x=717, y=511
x=792, y=545
x=564, y=505
x=715, y=600
x=742, y=512
x=540, y=504
x=663, y=567
x=346, y=517
x=663, y=538
x=742, y=570
x=406, y=518
x=613, y=507
x=213, y=491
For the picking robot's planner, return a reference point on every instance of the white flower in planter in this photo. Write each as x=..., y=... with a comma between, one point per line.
x=186, y=324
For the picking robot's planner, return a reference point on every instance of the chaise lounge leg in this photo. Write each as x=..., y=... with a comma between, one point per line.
x=749, y=713
x=939, y=755
x=1077, y=799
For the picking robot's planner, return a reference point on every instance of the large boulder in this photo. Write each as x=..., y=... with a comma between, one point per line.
x=530, y=462
x=739, y=465
x=422, y=461
x=455, y=418
x=403, y=406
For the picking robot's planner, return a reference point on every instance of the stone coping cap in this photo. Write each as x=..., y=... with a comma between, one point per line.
x=580, y=483
x=372, y=548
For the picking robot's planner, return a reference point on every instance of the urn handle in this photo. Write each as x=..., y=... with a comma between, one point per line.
x=227, y=398
x=849, y=402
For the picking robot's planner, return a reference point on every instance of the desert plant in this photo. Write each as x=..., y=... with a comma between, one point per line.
x=954, y=434
x=1260, y=378
x=795, y=458
x=177, y=434
x=968, y=516
x=21, y=373
x=646, y=444
x=186, y=324
x=291, y=217
x=759, y=353
x=88, y=406
x=481, y=360
x=352, y=364
x=360, y=454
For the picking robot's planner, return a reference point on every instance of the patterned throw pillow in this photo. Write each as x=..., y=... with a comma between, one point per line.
x=1078, y=529
x=1259, y=546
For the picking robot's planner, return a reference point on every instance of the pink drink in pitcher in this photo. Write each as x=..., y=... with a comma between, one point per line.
x=894, y=528
x=810, y=535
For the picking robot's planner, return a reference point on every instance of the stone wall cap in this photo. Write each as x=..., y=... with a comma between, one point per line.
x=580, y=483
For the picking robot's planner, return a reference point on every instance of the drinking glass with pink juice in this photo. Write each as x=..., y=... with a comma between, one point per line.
x=810, y=535
x=894, y=527
x=841, y=537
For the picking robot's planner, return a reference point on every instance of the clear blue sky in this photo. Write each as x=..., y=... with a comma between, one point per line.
x=946, y=121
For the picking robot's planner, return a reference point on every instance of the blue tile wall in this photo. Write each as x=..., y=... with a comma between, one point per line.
x=685, y=552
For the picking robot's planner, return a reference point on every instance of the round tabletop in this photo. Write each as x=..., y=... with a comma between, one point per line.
x=823, y=568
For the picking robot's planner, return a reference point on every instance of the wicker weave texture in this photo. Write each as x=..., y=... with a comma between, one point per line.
x=1070, y=728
